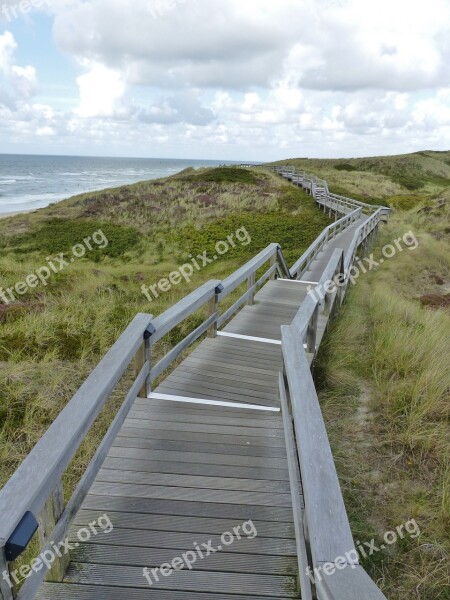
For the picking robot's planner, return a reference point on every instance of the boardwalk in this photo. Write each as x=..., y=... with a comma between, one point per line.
x=211, y=451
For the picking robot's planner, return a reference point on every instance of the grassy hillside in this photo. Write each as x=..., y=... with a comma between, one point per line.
x=406, y=178
x=385, y=380
x=53, y=335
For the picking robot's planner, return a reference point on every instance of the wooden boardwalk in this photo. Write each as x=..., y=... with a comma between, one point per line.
x=209, y=459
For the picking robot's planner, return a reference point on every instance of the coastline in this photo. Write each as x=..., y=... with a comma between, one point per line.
x=14, y=214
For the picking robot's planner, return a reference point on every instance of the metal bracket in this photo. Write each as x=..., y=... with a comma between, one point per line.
x=219, y=289
x=149, y=332
x=21, y=536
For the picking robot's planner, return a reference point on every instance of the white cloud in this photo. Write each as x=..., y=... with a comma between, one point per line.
x=101, y=90
x=242, y=79
x=22, y=79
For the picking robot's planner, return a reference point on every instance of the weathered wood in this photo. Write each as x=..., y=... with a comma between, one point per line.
x=296, y=493
x=48, y=518
x=37, y=476
x=171, y=356
x=251, y=289
x=329, y=530
x=67, y=516
x=6, y=591
x=239, y=276
x=348, y=584
x=177, y=313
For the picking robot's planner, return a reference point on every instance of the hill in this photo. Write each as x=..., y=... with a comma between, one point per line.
x=407, y=178
x=68, y=315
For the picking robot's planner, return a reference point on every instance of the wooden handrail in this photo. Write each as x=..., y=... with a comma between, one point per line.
x=38, y=475
x=38, y=479
x=296, y=271
x=242, y=274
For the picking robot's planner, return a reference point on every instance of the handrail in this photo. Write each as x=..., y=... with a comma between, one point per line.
x=239, y=276
x=336, y=571
x=305, y=260
x=38, y=475
x=35, y=488
x=319, y=187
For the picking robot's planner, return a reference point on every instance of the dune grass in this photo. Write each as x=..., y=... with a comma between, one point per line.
x=385, y=383
x=378, y=179
x=54, y=335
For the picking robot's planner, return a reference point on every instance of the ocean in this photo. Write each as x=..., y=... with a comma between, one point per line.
x=31, y=182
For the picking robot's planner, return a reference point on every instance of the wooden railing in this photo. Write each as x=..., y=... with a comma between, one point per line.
x=323, y=523
x=33, y=499
x=330, y=232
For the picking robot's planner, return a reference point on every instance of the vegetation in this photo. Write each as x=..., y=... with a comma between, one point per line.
x=378, y=179
x=383, y=371
x=385, y=385
x=53, y=335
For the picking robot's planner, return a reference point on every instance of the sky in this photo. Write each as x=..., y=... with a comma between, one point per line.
x=224, y=79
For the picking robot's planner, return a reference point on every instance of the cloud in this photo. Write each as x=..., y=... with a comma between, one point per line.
x=238, y=79
x=393, y=45
x=101, y=91
x=22, y=80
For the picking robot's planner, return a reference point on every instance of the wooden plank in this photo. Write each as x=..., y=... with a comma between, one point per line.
x=245, y=447
x=204, y=438
x=175, y=417
x=37, y=476
x=120, y=458
x=173, y=389
x=237, y=460
x=205, y=428
x=195, y=525
x=329, y=530
x=52, y=591
x=165, y=408
x=206, y=385
x=193, y=481
x=276, y=514
x=190, y=495
x=349, y=583
x=194, y=581
x=230, y=364
x=175, y=540
x=154, y=557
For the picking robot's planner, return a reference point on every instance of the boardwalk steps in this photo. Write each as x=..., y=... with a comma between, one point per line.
x=174, y=472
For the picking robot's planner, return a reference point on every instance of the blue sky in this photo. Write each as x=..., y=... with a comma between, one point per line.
x=223, y=79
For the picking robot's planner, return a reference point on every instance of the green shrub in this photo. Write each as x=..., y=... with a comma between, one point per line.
x=60, y=235
x=345, y=167
x=224, y=175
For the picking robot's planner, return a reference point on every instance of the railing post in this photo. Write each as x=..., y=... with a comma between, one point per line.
x=213, y=308
x=273, y=261
x=6, y=591
x=250, y=283
x=48, y=519
x=311, y=336
x=142, y=356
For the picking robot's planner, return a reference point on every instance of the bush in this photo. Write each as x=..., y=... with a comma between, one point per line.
x=60, y=235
